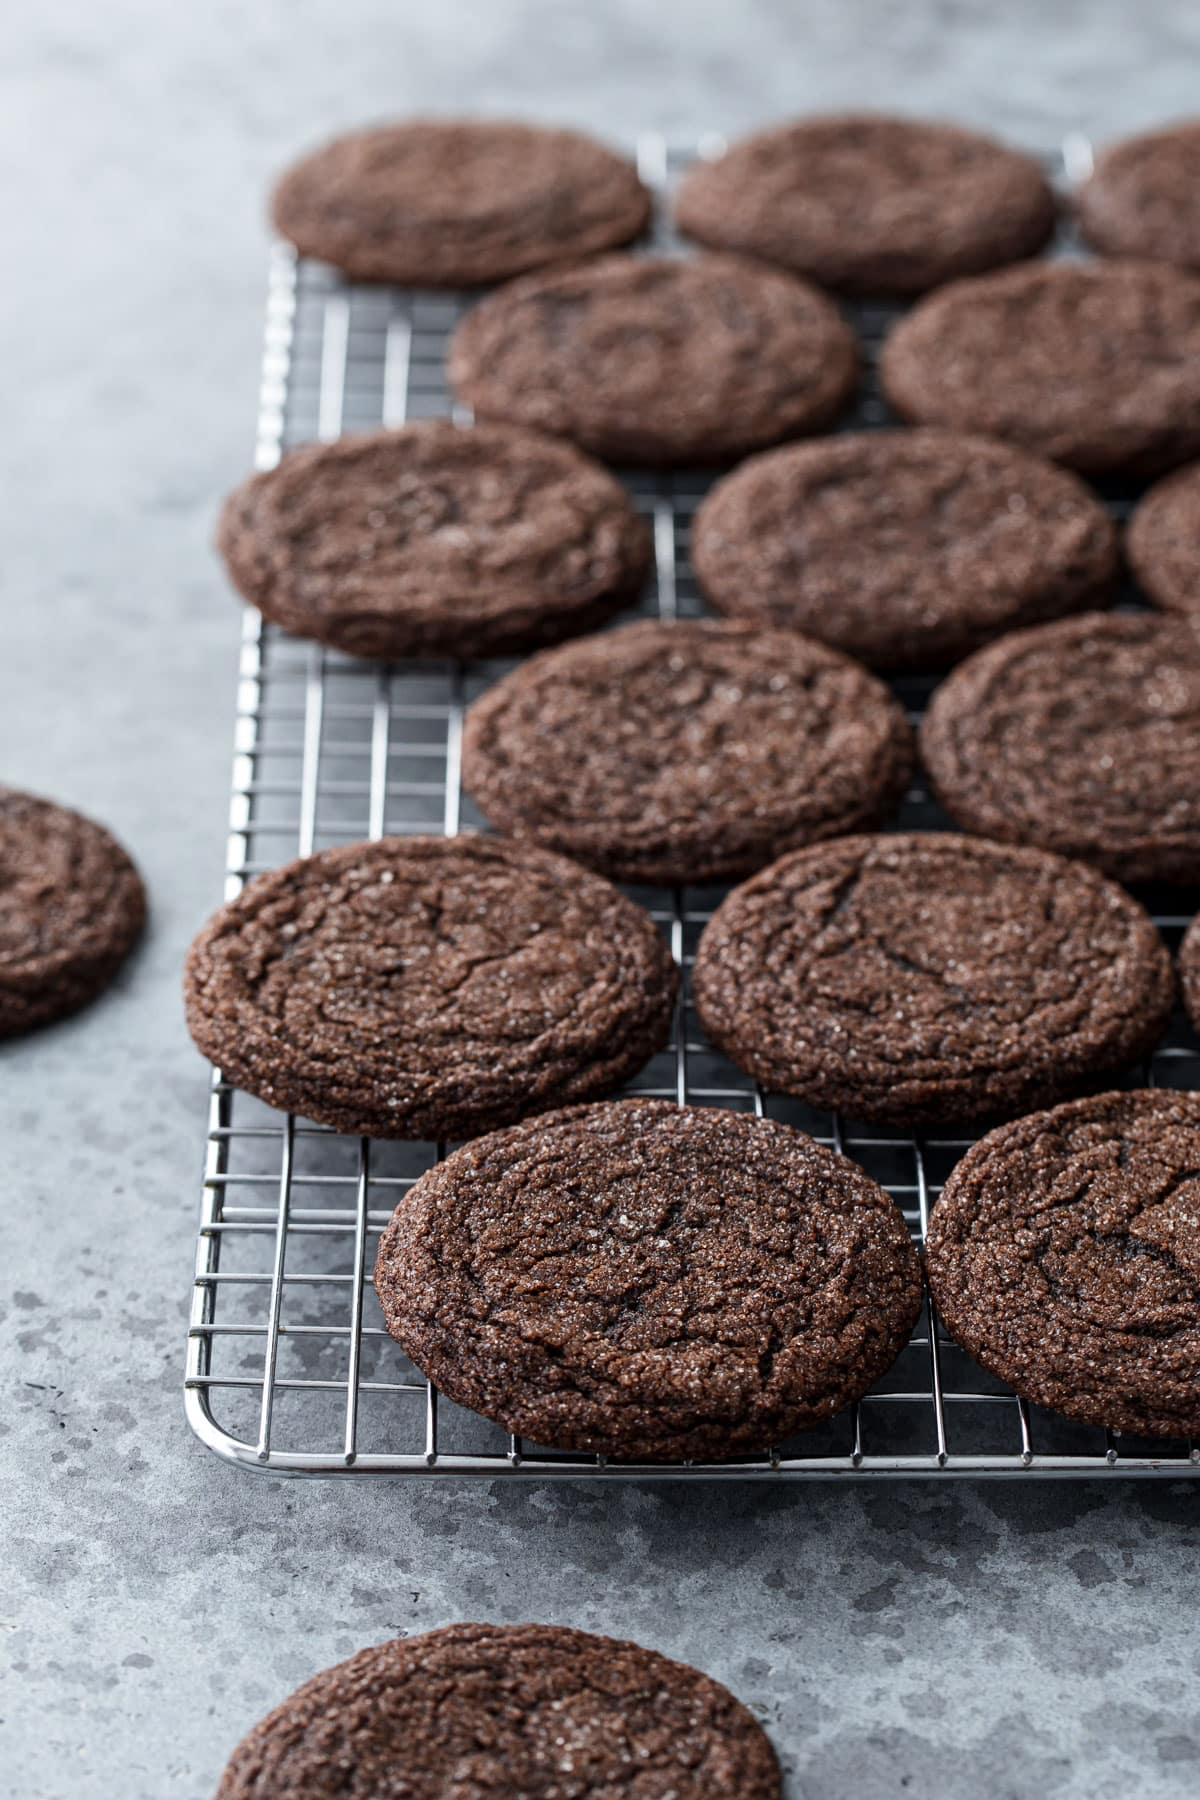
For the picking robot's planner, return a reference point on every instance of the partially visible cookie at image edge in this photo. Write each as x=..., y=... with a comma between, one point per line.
x=1143, y=197
x=536, y=1710
x=1093, y=364
x=1082, y=737
x=72, y=906
x=1189, y=971
x=1063, y=1255
x=1162, y=543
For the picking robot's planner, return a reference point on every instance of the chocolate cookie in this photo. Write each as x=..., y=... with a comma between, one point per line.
x=686, y=752
x=931, y=979
x=1163, y=543
x=438, y=203
x=72, y=906
x=1143, y=198
x=435, y=541
x=536, y=1711
x=907, y=548
x=656, y=360
x=1083, y=737
x=428, y=987
x=1094, y=364
x=649, y=1281
x=869, y=204
x=1189, y=970
x=1064, y=1256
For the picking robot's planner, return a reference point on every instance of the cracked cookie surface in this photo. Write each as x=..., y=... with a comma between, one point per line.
x=451, y=203
x=1064, y=1255
x=1083, y=737
x=435, y=540
x=481, y=1711
x=1143, y=198
x=649, y=1281
x=869, y=204
x=1096, y=365
x=905, y=548
x=72, y=906
x=669, y=753
x=931, y=979
x=1162, y=543
x=658, y=360
x=429, y=987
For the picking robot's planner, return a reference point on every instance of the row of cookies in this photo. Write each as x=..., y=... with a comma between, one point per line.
x=660, y=360
x=1049, y=1205
x=906, y=548
x=695, y=752
x=431, y=988
x=858, y=203
x=667, y=361
x=594, y=1278
x=659, y=1283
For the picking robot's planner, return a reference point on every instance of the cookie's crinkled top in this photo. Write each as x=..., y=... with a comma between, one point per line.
x=657, y=359
x=930, y=977
x=71, y=907
x=428, y=987
x=649, y=1281
x=481, y=1711
x=449, y=203
x=870, y=204
x=1082, y=736
x=905, y=548
x=434, y=540
x=687, y=751
x=1093, y=364
x=1064, y=1254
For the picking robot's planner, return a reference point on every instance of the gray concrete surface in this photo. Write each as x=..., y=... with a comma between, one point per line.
x=984, y=1641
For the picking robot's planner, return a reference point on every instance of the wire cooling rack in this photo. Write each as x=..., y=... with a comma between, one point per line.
x=289, y=1368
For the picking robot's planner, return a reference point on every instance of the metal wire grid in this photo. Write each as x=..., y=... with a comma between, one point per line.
x=289, y=1368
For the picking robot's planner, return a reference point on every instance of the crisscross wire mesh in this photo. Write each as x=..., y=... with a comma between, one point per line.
x=289, y=1368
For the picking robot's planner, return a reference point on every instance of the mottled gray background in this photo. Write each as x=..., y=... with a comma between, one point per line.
x=942, y=1640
